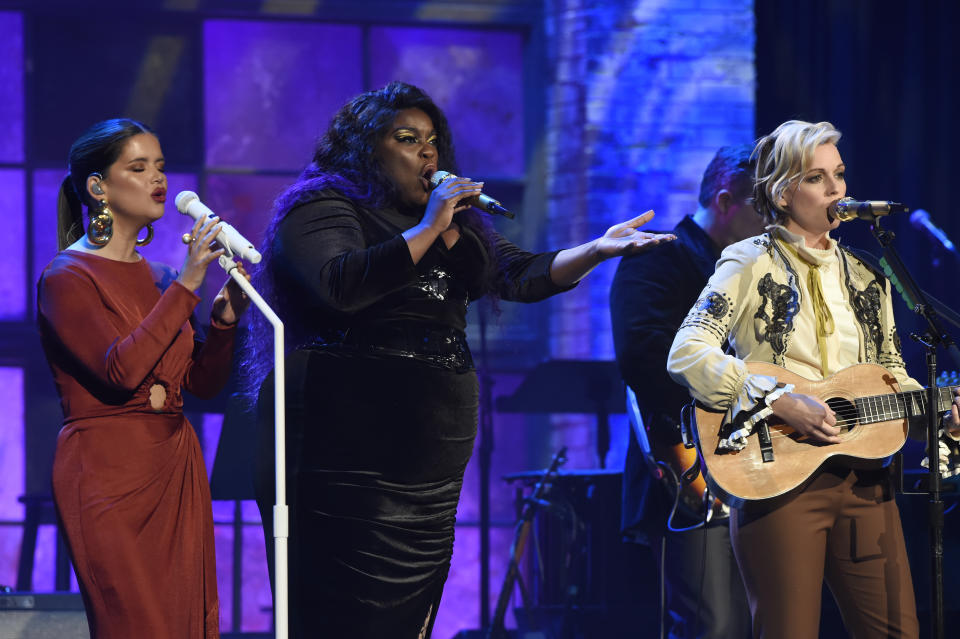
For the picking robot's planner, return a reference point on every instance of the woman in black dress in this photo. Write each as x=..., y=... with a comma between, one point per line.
x=372, y=271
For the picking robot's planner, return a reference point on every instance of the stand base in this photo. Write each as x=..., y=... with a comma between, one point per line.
x=43, y=616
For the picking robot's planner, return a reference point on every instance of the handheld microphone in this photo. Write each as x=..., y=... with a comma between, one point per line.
x=229, y=238
x=920, y=219
x=483, y=201
x=847, y=209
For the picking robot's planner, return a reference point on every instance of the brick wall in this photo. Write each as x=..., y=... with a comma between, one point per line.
x=642, y=94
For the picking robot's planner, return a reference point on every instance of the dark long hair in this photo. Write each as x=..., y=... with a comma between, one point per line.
x=345, y=162
x=93, y=152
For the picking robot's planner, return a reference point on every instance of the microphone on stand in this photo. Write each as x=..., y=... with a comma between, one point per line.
x=847, y=209
x=229, y=238
x=920, y=219
x=483, y=201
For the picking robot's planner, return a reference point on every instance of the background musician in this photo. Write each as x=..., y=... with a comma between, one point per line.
x=649, y=297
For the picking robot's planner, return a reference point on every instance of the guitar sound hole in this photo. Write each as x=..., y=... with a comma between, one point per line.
x=846, y=413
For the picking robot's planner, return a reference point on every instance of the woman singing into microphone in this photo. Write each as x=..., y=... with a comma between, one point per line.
x=372, y=272
x=795, y=298
x=129, y=481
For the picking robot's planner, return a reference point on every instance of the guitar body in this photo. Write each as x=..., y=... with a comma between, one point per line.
x=680, y=458
x=740, y=476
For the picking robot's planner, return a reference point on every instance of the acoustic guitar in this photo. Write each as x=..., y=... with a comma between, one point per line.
x=871, y=411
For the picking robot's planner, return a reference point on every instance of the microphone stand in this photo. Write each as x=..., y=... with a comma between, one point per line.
x=281, y=515
x=935, y=336
x=945, y=312
x=536, y=500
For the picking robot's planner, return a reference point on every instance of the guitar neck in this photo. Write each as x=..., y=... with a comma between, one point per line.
x=879, y=408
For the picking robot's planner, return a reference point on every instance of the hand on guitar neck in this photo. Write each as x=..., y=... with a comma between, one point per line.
x=809, y=416
x=949, y=451
x=953, y=425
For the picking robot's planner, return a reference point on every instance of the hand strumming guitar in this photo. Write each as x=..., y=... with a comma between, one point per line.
x=809, y=416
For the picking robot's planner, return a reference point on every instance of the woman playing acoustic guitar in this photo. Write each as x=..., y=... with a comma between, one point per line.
x=794, y=298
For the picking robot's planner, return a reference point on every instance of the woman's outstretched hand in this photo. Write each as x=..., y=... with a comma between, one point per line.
x=571, y=265
x=626, y=238
x=231, y=301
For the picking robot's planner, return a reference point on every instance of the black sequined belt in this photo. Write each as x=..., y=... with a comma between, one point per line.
x=441, y=347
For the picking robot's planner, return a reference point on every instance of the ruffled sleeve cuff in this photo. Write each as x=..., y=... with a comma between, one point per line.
x=752, y=391
x=756, y=394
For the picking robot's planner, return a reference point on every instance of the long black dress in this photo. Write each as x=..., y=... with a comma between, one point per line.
x=381, y=410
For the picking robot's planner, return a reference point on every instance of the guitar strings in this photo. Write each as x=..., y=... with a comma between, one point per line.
x=896, y=411
x=840, y=423
x=843, y=422
x=850, y=415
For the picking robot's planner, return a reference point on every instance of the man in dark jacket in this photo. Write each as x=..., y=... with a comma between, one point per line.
x=649, y=298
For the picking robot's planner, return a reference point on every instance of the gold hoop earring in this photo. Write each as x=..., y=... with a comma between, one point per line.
x=100, y=229
x=148, y=238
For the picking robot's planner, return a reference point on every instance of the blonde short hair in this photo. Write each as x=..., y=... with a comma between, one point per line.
x=782, y=159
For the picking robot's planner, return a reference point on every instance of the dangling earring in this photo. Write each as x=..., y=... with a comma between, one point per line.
x=148, y=238
x=100, y=229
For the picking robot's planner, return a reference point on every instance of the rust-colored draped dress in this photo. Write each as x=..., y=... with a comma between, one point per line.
x=129, y=480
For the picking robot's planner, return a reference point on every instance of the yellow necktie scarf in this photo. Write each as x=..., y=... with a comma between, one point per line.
x=821, y=311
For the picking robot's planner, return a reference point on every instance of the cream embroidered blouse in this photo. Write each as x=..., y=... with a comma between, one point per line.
x=758, y=300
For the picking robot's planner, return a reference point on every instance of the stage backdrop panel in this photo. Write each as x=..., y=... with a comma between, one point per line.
x=13, y=259
x=11, y=87
x=93, y=64
x=475, y=76
x=12, y=462
x=271, y=87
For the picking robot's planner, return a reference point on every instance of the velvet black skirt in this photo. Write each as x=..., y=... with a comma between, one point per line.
x=376, y=450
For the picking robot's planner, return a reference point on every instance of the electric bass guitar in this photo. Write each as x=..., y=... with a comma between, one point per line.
x=674, y=466
x=871, y=411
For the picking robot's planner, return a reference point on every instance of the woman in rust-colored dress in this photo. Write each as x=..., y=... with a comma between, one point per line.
x=129, y=480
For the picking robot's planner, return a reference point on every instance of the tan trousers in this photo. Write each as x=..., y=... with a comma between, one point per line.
x=844, y=527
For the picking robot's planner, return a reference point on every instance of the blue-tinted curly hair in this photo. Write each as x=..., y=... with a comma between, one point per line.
x=344, y=161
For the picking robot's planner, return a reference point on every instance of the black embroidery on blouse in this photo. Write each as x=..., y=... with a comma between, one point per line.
x=714, y=304
x=892, y=356
x=765, y=242
x=712, y=312
x=784, y=304
x=866, y=308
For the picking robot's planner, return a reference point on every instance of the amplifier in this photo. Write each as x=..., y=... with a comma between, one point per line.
x=28, y=615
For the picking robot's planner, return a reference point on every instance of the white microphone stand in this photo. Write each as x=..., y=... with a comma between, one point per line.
x=281, y=512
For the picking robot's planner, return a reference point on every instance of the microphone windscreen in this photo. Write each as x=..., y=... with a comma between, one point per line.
x=183, y=200
x=919, y=218
x=439, y=176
